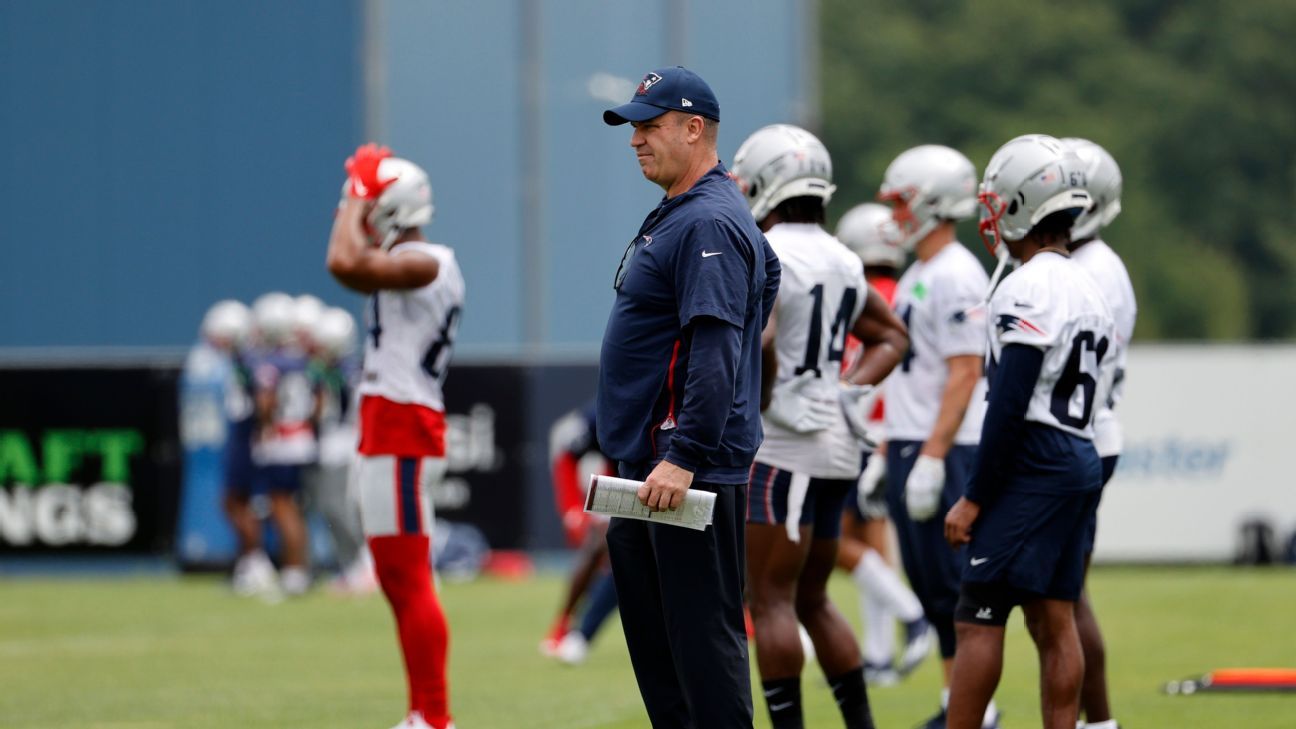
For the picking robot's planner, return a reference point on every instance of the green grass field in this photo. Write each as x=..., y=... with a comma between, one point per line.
x=183, y=652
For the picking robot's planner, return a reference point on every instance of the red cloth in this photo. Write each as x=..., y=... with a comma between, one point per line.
x=569, y=497
x=390, y=428
x=405, y=572
x=886, y=286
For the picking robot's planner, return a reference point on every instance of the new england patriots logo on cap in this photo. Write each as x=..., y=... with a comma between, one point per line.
x=647, y=83
x=1006, y=322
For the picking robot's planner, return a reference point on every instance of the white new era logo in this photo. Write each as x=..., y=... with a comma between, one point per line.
x=983, y=614
x=685, y=103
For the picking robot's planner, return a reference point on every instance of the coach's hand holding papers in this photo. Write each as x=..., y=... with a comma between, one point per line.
x=620, y=497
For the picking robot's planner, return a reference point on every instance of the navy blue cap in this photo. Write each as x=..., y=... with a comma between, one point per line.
x=675, y=88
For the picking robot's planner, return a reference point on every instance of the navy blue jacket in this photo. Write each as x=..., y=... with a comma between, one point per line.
x=679, y=374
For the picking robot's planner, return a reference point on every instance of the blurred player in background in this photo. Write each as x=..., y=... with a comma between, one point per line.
x=214, y=408
x=283, y=436
x=1103, y=181
x=334, y=374
x=865, y=551
x=936, y=397
x=1037, y=477
x=416, y=292
x=574, y=455
x=810, y=459
x=254, y=573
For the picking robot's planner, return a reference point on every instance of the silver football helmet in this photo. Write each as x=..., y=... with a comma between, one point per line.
x=1028, y=179
x=1104, y=182
x=779, y=162
x=869, y=231
x=405, y=203
x=273, y=316
x=227, y=324
x=307, y=309
x=925, y=186
x=334, y=332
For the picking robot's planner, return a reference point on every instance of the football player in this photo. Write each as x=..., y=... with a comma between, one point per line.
x=283, y=436
x=810, y=459
x=865, y=551
x=1103, y=181
x=416, y=293
x=216, y=413
x=334, y=375
x=936, y=397
x=1037, y=476
x=574, y=455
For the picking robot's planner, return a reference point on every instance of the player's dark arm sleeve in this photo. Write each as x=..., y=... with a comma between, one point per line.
x=773, y=275
x=1005, y=419
x=714, y=350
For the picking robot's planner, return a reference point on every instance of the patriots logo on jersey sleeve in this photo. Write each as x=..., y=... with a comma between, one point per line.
x=1009, y=322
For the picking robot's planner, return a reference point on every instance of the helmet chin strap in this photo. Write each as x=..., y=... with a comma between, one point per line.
x=389, y=239
x=1001, y=253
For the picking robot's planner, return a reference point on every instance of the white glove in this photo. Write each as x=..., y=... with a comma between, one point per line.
x=856, y=404
x=924, y=487
x=870, y=480
x=795, y=406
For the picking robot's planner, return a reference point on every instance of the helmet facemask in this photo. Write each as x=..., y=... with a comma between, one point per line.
x=910, y=223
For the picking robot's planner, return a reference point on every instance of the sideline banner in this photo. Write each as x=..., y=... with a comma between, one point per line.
x=1208, y=435
x=498, y=417
x=89, y=459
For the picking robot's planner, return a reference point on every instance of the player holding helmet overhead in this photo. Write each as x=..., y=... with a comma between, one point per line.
x=936, y=397
x=1103, y=181
x=809, y=461
x=1037, y=476
x=417, y=292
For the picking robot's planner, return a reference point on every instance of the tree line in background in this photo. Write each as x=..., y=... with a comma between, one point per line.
x=1196, y=100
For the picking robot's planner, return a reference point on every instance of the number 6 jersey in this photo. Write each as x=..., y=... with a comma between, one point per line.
x=1052, y=304
x=407, y=349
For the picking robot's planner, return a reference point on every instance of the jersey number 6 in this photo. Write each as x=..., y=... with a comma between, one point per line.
x=1076, y=375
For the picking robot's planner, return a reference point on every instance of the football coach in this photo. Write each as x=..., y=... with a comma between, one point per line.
x=679, y=406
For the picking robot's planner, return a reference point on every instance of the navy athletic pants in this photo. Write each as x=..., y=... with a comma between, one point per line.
x=681, y=597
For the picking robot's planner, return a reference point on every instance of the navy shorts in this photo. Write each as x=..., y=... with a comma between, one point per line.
x=770, y=491
x=1032, y=542
x=1091, y=530
x=277, y=478
x=934, y=570
x=237, y=458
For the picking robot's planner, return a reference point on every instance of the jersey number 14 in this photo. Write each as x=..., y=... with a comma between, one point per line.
x=836, y=335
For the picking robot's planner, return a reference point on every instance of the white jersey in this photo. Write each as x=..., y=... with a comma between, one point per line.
x=1107, y=270
x=411, y=333
x=821, y=293
x=941, y=300
x=1052, y=304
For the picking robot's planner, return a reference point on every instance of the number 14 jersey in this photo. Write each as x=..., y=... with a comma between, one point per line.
x=1052, y=304
x=821, y=294
x=411, y=332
